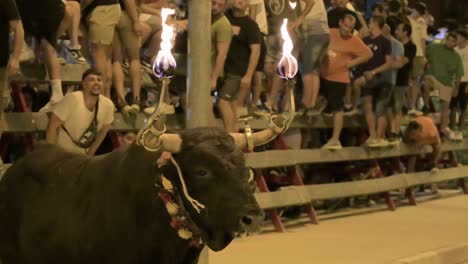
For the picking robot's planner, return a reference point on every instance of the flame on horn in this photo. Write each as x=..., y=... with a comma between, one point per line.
x=287, y=66
x=164, y=66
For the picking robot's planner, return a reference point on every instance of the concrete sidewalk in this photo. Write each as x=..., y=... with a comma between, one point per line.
x=433, y=232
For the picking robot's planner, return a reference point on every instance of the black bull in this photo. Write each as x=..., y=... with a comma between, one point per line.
x=59, y=207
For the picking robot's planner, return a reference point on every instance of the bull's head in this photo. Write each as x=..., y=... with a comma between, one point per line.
x=216, y=176
x=213, y=173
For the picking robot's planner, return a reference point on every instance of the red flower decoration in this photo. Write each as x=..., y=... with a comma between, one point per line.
x=165, y=196
x=176, y=224
x=195, y=243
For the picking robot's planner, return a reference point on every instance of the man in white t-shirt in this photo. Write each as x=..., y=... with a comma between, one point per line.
x=71, y=122
x=419, y=37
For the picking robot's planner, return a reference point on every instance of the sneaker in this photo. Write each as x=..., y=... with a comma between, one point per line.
x=145, y=65
x=447, y=133
x=383, y=143
x=62, y=61
x=128, y=110
x=314, y=111
x=300, y=111
x=75, y=55
x=253, y=109
x=242, y=111
x=135, y=108
x=371, y=203
x=333, y=145
x=327, y=113
x=166, y=109
x=394, y=139
x=27, y=54
x=351, y=112
x=264, y=110
x=458, y=136
x=415, y=112
x=372, y=143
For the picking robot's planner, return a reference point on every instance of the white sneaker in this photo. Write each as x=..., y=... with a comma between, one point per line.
x=383, y=143
x=333, y=145
x=242, y=111
x=128, y=110
x=167, y=109
x=27, y=54
x=448, y=133
x=372, y=143
x=458, y=136
x=371, y=203
x=415, y=112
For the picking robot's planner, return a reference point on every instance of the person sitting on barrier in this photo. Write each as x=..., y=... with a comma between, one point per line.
x=422, y=131
x=345, y=52
x=80, y=121
x=43, y=20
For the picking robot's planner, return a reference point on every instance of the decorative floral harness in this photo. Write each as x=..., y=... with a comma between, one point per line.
x=180, y=220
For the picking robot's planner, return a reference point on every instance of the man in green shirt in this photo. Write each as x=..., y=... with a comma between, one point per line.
x=221, y=35
x=445, y=72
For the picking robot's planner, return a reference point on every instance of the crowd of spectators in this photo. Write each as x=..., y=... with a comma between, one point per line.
x=385, y=67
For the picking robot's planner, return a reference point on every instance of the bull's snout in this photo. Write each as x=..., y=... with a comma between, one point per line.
x=252, y=222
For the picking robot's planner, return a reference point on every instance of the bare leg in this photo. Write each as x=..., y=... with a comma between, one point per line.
x=349, y=90
x=274, y=93
x=414, y=92
x=370, y=116
x=257, y=87
x=118, y=81
x=311, y=83
x=99, y=53
x=381, y=126
x=74, y=28
x=66, y=21
x=53, y=68
x=227, y=114
x=444, y=114
x=461, y=119
x=357, y=86
x=411, y=164
x=337, y=125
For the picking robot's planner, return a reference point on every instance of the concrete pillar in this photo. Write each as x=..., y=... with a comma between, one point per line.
x=199, y=64
x=198, y=72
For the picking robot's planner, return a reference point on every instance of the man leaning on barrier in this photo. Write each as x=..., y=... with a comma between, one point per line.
x=422, y=131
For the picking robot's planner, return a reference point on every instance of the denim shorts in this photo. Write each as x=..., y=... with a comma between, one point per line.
x=313, y=49
x=230, y=87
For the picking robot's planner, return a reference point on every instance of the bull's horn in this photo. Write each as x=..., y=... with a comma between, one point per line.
x=155, y=139
x=276, y=125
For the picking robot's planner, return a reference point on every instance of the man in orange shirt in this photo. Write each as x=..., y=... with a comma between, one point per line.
x=345, y=52
x=422, y=131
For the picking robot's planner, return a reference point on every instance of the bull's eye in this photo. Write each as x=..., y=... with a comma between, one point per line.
x=201, y=173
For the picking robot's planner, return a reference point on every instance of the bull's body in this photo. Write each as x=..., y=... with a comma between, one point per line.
x=59, y=207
